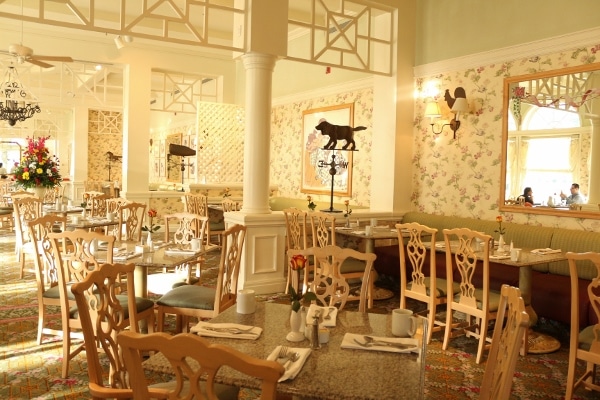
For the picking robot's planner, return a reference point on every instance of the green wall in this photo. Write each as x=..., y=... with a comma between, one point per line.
x=454, y=28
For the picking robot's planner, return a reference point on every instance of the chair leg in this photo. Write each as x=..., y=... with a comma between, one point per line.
x=160, y=323
x=483, y=324
x=430, y=322
x=448, y=329
x=41, y=323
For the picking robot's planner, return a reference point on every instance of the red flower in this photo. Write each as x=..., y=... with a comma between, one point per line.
x=298, y=262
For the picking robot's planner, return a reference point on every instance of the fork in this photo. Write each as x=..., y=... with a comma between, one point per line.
x=329, y=310
x=283, y=353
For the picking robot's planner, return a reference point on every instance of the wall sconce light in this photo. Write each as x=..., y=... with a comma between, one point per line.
x=458, y=104
x=122, y=41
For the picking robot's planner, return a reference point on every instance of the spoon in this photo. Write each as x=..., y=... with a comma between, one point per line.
x=292, y=357
x=328, y=311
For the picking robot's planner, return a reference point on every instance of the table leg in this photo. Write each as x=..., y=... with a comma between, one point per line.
x=535, y=343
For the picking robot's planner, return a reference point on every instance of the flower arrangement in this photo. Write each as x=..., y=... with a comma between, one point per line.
x=500, y=229
x=86, y=198
x=152, y=213
x=226, y=193
x=298, y=263
x=37, y=167
x=311, y=204
x=348, y=209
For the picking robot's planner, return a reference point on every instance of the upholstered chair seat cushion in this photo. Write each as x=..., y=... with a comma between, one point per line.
x=189, y=296
x=141, y=305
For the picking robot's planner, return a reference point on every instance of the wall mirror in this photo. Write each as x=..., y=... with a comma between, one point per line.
x=173, y=162
x=551, y=139
x=10, y=152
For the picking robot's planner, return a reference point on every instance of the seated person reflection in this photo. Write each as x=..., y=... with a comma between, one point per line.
x=3, y=171
x=575, y=197
x=528, y=196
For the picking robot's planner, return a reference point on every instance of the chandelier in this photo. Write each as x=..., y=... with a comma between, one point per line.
x=15, y=102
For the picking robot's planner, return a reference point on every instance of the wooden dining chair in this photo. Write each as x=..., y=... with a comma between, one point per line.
x=131, y=219
x=196, y=203
x=323, y=234
x=180, y=228
x=25, y=209
x=584, y=344
x=104, y=310
x=477, y=302
x=207, y=302
x=328, y=283
x=230, y=205
x=506, y=342
x=74, y=267
x=296, y=239
x=98, y=205
x=418, y=278
x=191, y=356
x=46, y=269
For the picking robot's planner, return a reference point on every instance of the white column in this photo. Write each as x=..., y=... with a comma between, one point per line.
x=79, y=153
x=257, y=154
x=136, y=130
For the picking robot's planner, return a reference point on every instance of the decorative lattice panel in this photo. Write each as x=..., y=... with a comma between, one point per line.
x=220, y=143
x=105, y=133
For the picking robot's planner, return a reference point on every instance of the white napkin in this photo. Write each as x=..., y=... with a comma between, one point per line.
x=329, y=323
x=499, y=256
x=440, y=245
x=349, y=343
x=547, y=250
x=292, y=368
x=200, y=329
x=359, y=232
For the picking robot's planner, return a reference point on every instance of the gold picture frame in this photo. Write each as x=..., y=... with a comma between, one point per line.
x=316, y=161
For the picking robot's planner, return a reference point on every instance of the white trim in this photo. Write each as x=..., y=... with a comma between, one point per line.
x=351, y=86
x=540, y=47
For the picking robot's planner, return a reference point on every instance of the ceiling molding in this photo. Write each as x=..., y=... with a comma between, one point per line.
x=332, y=90
x=540, y=47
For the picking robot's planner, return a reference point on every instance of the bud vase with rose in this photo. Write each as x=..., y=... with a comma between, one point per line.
x=152, y=213
x=298, y=264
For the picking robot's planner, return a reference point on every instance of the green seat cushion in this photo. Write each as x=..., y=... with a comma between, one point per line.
x=141, y=305
x=440, y=286
x=189, y=296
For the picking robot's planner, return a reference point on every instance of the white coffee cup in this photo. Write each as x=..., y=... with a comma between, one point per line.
x=368, y=230
x=195, y=242
x=246, y=301
x=515, y=254
x=373, y=222
x=70, y=203
x=404, y=324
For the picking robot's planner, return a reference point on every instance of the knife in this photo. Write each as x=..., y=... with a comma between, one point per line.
x=388, y=344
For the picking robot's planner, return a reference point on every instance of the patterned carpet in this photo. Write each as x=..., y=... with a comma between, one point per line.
x=29, y=371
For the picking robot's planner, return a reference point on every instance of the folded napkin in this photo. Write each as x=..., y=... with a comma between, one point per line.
x=226, y=330
x=342, y=228
x=499, y=256
x=349, y=343
x=440, y=245
x=359, y=232
x=292, y=369
x=329, y=323
x=180, y=252
x=547, y=250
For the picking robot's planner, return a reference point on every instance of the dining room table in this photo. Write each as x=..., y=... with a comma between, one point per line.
x=539, y=343
x=339, y=370
x=163, y=255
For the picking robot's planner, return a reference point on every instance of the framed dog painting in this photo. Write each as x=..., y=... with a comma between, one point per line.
x=321, y=140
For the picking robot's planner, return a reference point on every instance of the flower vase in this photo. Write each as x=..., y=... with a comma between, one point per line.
x=38, y=191
x=347, y=222
x=501, y=244
x=149, y=241
x=296, y=335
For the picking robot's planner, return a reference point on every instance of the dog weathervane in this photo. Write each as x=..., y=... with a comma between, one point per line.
x=336, y=133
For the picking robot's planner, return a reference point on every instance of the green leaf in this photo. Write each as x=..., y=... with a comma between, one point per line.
x=309, y=296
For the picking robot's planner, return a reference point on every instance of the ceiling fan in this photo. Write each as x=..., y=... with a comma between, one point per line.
x=25, y=54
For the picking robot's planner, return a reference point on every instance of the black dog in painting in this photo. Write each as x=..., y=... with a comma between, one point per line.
x=338, y=132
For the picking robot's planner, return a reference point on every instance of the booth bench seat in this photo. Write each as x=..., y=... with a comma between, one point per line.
x=551, y=291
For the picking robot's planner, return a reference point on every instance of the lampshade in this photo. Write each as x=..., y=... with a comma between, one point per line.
x=460, y=105
x=432, y=110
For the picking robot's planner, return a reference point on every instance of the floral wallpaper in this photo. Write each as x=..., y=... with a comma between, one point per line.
x=286, y=146
x=462, y=177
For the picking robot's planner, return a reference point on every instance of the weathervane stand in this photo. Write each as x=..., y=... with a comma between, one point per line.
x=333, y=171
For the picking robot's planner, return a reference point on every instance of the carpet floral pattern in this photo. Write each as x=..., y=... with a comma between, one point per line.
x=29, y=371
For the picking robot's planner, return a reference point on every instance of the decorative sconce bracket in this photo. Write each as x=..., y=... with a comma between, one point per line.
x=458, y=104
